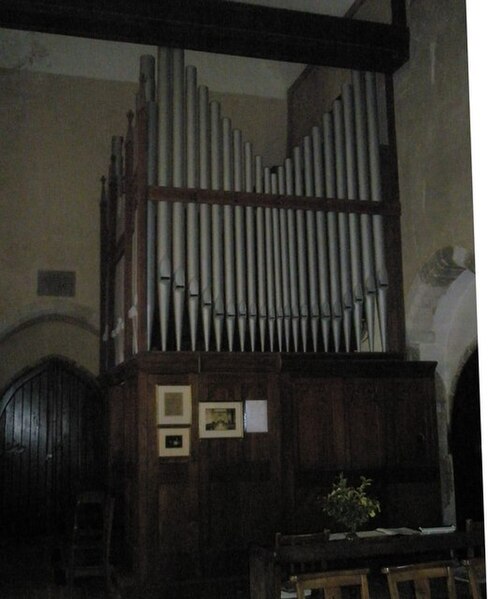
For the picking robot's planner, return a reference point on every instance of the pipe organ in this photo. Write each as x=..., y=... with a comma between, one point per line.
x=270, y=285
x=289, y=258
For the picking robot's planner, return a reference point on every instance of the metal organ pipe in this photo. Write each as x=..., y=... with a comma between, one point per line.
x=152, y=140
x=311, y=243
x=205, y=215
x=376, y=196
x=292, y=254
x=217, y=251
x=278, y=291
x=252, y=310
x=301, y=248
x=354, y=229
x=261, y=255
x=164, y=179
x=192, y=210
x=229, y=254
x=179, y=266
x=332, y=236
x=341, y=190
x=322, y=253
x=369, y=281
x=240, y=247
x=285, y=260
x=270, y=286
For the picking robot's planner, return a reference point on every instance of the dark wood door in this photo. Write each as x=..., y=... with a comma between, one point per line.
x=51, y=446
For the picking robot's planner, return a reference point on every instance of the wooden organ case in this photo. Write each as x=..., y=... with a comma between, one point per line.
x=212, y=280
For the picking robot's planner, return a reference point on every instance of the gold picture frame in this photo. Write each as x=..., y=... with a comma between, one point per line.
x=174, y=442
x=173, y=405
x=220, y=419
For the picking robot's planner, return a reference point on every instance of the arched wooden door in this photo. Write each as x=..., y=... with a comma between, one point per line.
x=51, y=445
x=466, y=444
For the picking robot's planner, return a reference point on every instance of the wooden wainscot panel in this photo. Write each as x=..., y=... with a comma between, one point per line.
x=413, y=423
x=318, y=407
x=315, y=437
x=240, y=478
x=177, y=519
x=413, y=490
x=366, y=424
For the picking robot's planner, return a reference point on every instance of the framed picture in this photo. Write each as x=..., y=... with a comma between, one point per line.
x=173, y=404
x=174, y=442
x=220, y=419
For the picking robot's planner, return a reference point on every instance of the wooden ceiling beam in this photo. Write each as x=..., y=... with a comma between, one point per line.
x=222, y=27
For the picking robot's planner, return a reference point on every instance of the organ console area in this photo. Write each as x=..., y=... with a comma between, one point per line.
x=245, y=282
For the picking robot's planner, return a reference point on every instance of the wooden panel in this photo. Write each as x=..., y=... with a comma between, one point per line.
x=320, y=428
x=224, y=27
x=413, y=435
x=366, y=434
x=325, y=416
x=240, y=479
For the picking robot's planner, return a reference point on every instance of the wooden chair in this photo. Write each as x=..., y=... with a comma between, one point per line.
x=287, y=589
x=471, y=571
x=420, y=576
x=473, y=526
x=331, y=583
x=89, y=550
x=475, y=576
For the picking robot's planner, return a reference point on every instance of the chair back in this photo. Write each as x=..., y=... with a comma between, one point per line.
x=476, y=572
x=474, y=526
x=420, y=576
x=92, y=531
x=332, y=583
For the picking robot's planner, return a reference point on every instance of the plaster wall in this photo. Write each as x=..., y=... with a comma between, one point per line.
x=432, y=119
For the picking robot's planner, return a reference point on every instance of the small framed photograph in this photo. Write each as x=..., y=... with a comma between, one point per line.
x=220, y=419
x=173, y=404
x=174, y=442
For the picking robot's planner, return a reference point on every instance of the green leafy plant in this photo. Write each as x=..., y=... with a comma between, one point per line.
x=348, y=505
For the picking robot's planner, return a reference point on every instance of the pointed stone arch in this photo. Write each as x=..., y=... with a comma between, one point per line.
x=441, y=326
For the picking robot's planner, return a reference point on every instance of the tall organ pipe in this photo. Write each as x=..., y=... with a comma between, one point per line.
x=332, y=236
x=164, y=179
x=277, y=265
x=217, y=250
x=192, y=209
x=152, y=140
x=147, y=75
x=229, y=253
x=205, y=215
x=341, y=191
x=322, y=254
x=240, y=240
x=354, y=229
x=311, y=242
x=270, y=286
x=301, y=248
x=285, y=260
x=369, y=281
x=376, y=196
x=179, y=266
x=292, y=254
x=261, y=255
x=250, y=247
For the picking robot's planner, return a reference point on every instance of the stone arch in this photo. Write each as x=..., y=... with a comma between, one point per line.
x=441, y=326
x=54, y=328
